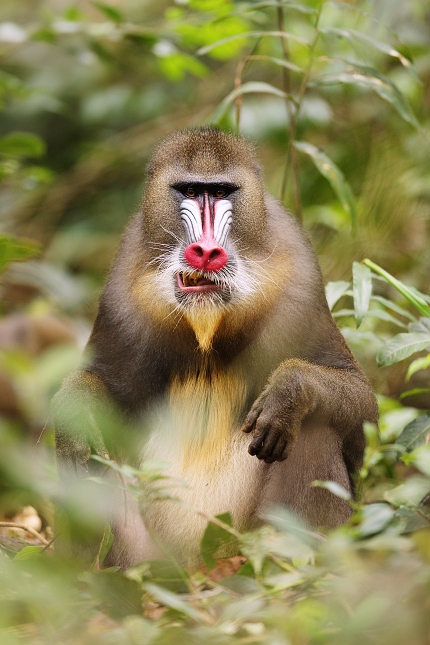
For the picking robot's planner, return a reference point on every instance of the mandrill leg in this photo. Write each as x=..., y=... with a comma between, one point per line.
x=316, y=455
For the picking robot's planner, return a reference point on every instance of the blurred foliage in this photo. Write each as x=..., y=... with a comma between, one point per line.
x=336, y=96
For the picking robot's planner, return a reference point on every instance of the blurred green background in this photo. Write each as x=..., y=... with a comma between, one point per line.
x=336, y=97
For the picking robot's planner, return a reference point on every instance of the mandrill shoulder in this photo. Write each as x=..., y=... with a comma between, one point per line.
x=294, y=259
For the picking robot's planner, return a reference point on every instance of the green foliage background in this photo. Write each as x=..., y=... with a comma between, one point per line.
x=336, y=97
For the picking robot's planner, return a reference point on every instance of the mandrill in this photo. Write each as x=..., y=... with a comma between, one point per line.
x=214, y=340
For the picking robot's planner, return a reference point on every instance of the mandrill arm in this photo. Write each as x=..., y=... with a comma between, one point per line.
x=299, y=391
x=79, y=410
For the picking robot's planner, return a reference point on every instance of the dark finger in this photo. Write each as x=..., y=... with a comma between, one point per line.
x=269, y=444
x=278, y=450
x=257, y=442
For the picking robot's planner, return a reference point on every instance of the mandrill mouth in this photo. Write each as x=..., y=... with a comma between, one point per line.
x=197, y=282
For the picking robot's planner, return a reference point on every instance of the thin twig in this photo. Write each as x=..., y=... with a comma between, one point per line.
x=292, y=153
x=238, y=81
x=300, y=96
x=28, y=529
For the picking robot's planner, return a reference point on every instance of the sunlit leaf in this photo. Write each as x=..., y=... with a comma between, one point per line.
x=417, y=365
x=361, y=289
x=417, y=299
x=375, y=517
x=389, y=304
x=176, y=66
x=420, y=458
x=22, y=144
x=332, y=173
x=361, y=37
x=172, y=600
x=415, y=391
x=369, y=77
x=29, y=552
x=251, y=34
x=410, y=492
x=334, y=488
x=415, y=433
x=334, y=291
x=400, y=347
x=15, y=250
x=253, y=87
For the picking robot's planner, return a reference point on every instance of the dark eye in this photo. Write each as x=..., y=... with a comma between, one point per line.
x=220, y=193
x=191, y=192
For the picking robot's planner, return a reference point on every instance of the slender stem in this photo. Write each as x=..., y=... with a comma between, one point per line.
x=238, y=81
x=291, y=153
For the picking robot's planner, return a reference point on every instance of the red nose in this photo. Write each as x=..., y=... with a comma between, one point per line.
x=206, y=257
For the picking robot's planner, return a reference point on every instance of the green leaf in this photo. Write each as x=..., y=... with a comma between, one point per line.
x=415, y=433
x=280, y=62
x=372, y=313
x=400, y=347
x=375, y=518
x=120, y=596
x=389, y=304
x=22, y=144
x=333, y=487
x=420, y=458
x=15, y=250
x=301, y=8
x=247, y=88
x=415, y=391
x=361, y=290
x=358, y=36
x=104, y=547
x=176, y=66
x=412, y=295
x=172, y=600
x=214, y=537
x=379, y=83
x=29, y=552
x=251, y=34
x=420, y=326
x=110, y=12
x=168, y=575
x=333, y=174
x=334, y=292
x=417, y=365
x=411, y=492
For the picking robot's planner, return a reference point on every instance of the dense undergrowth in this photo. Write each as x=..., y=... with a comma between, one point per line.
x=335, y=94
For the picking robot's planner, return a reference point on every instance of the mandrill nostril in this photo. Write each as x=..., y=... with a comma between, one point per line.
x=205, y=257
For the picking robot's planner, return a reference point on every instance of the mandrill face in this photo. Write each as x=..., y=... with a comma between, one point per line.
x=210, y=241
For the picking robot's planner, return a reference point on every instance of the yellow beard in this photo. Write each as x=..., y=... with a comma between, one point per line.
x=204, y=322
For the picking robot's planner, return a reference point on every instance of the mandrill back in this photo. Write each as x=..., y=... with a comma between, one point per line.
x=214, y=339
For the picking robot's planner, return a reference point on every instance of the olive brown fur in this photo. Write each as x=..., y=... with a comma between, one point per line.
x=236, y=376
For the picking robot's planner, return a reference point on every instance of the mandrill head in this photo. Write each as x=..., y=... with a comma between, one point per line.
x=204, y=226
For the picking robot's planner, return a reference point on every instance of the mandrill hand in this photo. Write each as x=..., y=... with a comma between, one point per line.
x=277, y=415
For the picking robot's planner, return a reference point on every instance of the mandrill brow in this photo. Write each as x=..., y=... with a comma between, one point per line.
x=213, y=350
